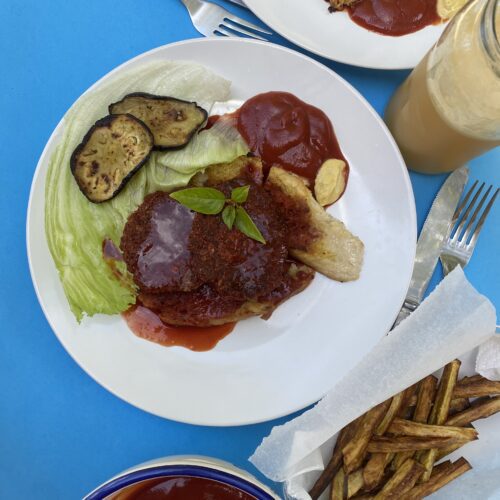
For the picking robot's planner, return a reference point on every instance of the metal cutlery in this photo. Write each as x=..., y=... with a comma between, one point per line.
x=212, y=20
x=430, y=242
x=462, y=236
x=461, y=241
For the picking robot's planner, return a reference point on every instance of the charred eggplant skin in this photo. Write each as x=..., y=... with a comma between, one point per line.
x=124, y=137
x=146, y=107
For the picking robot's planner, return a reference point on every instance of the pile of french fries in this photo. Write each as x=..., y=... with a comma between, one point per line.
x=395, y=450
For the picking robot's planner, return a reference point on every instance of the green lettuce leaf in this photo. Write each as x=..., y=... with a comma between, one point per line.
x=75, y=228
x=219, y=144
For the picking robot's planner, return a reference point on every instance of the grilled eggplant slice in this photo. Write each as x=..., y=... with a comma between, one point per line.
x=172, y=122
x=113, y=149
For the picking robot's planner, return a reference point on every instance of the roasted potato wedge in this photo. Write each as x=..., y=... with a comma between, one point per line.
x=172, y=121
x=334, y=252
x=331, y=181
x=113, y=149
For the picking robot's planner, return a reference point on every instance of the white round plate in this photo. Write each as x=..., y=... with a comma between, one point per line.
x=310, y=25
x=263, y=369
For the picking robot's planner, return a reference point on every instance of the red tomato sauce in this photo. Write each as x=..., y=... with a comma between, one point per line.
x=182, y=488
x=394, y=17
x=283, y=130
x=146, y=324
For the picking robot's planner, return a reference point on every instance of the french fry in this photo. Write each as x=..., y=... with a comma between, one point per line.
x=440, y=468
x=326, y=477
x=355, y=482
x=391, y=413
x=385, y=444
x=439, y=412
x=407, y=408
x=458, y=404
x=338, y=485
x=400, y=427
x=425, y=397
x=354, y=451
x=438, y=480
x=427, y=459
x=401, y=457
x=476, y=387
x=478, y=409
x=401, y=482
x=470, y=379
x=413, y=400
x=373, y=471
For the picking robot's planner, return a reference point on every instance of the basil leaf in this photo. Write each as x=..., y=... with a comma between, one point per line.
x=240, y=194
x=204, y=200
x=228, y=216
x=247, y=226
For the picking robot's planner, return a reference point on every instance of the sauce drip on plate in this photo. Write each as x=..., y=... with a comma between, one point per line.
x=394, y=17
x=147, y=325
x=282, y=129
x=182, y=488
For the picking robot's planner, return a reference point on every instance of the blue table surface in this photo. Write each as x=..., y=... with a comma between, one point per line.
x=61, y=434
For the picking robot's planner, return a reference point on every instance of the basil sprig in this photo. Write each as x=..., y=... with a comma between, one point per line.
x=208, y=201
x=211, y=201
x=240, y=194
x=246, y=225
x=229, y=215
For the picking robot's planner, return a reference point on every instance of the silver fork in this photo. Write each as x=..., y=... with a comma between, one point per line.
x=212, y=20
x=462, y=238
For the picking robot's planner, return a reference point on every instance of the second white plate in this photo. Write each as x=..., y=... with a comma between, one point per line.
x=263, y=369
x=310, y=25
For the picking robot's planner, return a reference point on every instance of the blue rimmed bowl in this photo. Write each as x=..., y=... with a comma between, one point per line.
x=189, y=466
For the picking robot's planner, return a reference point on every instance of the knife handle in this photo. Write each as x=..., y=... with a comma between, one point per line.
x=408, y=307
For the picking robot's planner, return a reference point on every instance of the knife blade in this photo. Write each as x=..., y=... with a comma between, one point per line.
x=434, y=231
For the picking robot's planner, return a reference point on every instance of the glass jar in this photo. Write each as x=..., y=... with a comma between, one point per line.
x=448, y=110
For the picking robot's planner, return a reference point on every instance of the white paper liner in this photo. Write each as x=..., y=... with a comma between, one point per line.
x=488, y=359
x=452, y=321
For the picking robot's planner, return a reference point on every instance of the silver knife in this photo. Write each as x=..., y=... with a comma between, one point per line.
x=436, y=229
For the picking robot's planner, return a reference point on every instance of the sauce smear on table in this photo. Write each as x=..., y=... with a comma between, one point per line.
x=146, y=324
x=182, y=488
x=282, y=129
x=394, y=17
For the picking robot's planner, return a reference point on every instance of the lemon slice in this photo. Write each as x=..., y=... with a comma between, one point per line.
x=446, y=9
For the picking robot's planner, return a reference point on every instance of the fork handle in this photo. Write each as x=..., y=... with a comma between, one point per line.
x=191, y=4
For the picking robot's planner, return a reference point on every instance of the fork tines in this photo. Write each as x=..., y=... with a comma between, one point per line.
x=233, y=25
x=464, y=233
x=211, y=19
